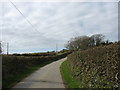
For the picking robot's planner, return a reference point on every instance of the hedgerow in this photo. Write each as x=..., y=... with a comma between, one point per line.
x=13, y=65
x=96, y=67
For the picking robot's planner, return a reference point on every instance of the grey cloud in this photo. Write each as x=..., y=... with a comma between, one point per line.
x=57, y=23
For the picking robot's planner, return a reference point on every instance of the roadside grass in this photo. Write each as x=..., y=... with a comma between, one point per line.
x=69, y=80
x=13, y=80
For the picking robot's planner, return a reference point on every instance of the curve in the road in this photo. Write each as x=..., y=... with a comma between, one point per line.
x=46, y=77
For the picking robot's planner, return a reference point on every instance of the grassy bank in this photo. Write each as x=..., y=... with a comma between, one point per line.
x=93, y=68
x=18, y=77
x=70, y=81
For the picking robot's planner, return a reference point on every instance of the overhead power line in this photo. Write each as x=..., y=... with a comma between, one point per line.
x=23, y=15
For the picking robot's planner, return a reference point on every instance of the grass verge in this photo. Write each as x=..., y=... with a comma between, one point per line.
x=13, y=80
x=69, y=80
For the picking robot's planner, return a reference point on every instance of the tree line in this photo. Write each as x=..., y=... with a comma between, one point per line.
x=85, y=42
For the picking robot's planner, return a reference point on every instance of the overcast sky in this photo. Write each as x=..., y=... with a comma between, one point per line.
x=55, y=23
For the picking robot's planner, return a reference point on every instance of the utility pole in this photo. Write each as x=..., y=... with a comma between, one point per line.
x=56, y=47
x=0, y=47
x=7, y=48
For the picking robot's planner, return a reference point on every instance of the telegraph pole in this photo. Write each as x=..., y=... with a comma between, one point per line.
x=56, y=47
x=0, y=47
x=7, y=48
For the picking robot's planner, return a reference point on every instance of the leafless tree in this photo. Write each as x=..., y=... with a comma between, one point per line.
x=78, y=43
x=97, y=39
x=84, y=42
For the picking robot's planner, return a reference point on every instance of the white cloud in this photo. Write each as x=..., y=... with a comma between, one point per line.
x=61, y=0
x=57, y=23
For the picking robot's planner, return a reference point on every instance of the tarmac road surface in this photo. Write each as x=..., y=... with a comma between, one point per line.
x=46, y=77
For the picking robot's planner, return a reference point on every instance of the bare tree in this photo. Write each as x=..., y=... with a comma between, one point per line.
x=97, y=39
x=78, y=43
x=85, y=42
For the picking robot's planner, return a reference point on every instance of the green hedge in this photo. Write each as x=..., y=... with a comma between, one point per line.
x=96, y=67
x=13, y=65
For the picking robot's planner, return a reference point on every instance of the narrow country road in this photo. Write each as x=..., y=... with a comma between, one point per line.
x=46, y=77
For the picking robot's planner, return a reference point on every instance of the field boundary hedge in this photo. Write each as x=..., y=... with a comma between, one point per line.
x=97, y=67
x=13, y=65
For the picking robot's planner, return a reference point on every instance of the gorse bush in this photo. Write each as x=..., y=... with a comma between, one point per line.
x=96, y=67
x=37, y=54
